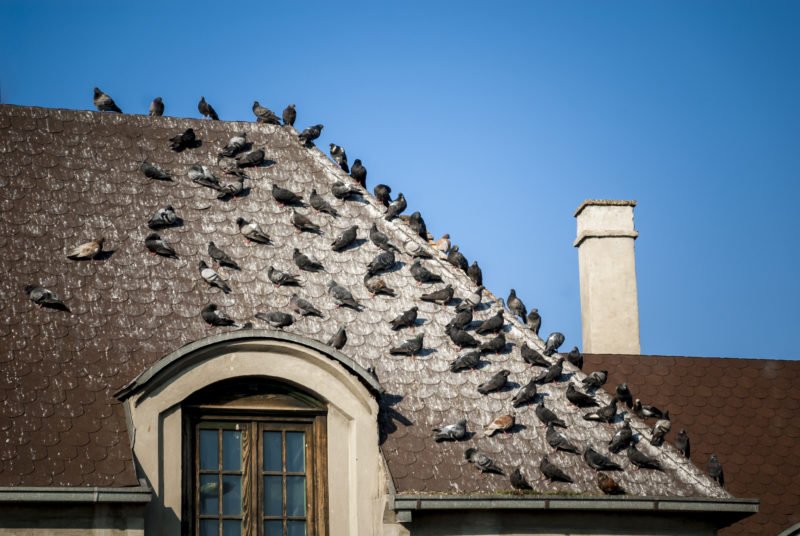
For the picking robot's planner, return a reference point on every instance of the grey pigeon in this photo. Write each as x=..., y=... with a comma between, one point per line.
x=163, y=217
x=347, y=237
x=252, y=159
x=383, y=194
x=621, y=439
x=595, y=380
x=475, y=274
x=104, y=103
x=547, y=416
x=319, y=204
x=642, y=460
x=405, y=320
x=378, y=286
x=339, y=156
x=715, y=470
x=457, y=259
x=624, y=395
x=683, y=444
x=359, y=173
x=221, y=257
x=525, y=394
x=285, y=196
x=553, y=373
x=461, y=338
x=598, y=462
x=608, y=485
x=152, y=171
x=422, y=274
x=276, y=319
x=474, y=299
x=470, y=360
x=534, y=320
x=86, y=250
x=495, y=345
x=646, y=412
x=383, y=261
x=214, y=317
x=310, y=134
x=516, y=306
x=604, y=414
x=518, y=481
x=575, y=357
x=232, y=189
x=396, y=207
x=44, y=297
x=251, y=231
x=211, y=277
x=416, y=250
x=339, y=339
x=303, y=307
x=553, y=472
x=492, y=324
x=342, y=191
x=206, y=109
x=265, y=115
x=482, y=461
x=381, y=240
x=579, y=399
x=553, y=343
x=442, y=296
x=410, y=347
x=184, y=140
x=306, y=262
x=202, y=175
x=342, y=296
x=235, y=145
x=289, y=115
x=496, y=382
x=158, y=246
x=451, y=432
x=532, y=357
x=660, y=430
x=282, y=279
x=303, y=223
x=417, y=224
x=462, y=319
x=559, y=442
x=157, y=107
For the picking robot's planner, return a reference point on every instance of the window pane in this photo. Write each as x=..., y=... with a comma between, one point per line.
x=273, y=528
x=295, y=452
x=296, y=528
x=209, y=494
x=272, y=451
x=209, y=527
x=231, y=495
x=231, y=528
x=273, y=496
x=295, y=495
x=209, y=457
x=231, y=450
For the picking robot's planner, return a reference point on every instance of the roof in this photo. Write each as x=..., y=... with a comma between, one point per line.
x=747, y=411
x=68, y=176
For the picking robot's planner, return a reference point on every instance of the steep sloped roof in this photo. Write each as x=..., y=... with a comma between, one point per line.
x=68, y=176
x=747, y=411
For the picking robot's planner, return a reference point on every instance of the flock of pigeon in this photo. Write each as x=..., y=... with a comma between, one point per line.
x=237, y=156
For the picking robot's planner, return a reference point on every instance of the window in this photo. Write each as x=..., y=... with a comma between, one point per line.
x=256, y=465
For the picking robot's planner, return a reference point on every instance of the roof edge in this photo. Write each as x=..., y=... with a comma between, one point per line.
x=604, y=203
x=141, y=494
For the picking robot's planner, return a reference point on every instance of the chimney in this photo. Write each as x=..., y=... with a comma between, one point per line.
x=609, y=303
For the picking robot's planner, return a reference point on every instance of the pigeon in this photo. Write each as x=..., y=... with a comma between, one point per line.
x=410, y=347
x=608, y=485
x=624, y=395
x=235, y=145
x=251, y=159
x=342, y=296
x=457, y=259
x=595, y=380
x=518, y=481
x=276, y=319
x=474, y=300
x=214, y=317
x=621, y=439
x=442, y=296
x=342, y=191
x=232, y=189
x=579, y=399
x=495, y=345
x=381, y=240
x=44, y=297
x=642, y=460
x=443, y=244
x=347, y=237
x=405, y=320
x=206, y=109
x=646, y=412
x=598, y=462
x=492, y=324
x=157, y=107
x=182, y=141
x=383, y=261
x=534, y=321
x=303, y=307
x=451, y=432
x=715, y=470
x=604, y=414
x=516, y=306
x=422, y=274
x=319, y=204
x=494, y=383
x=382, y=194
x=158, y=246
x=339, y=339
x=532, y=357
x=265, y=115
x=310, y=134
x=553, y=343
x=359, y=173
x=339, y=156
x=396, y=207
x=152, y=171
x=482, y=461
x=552, y=472
x=211, y=277
x=475, y=274
x=417, y=224
x=285, y=196
x=377, y=286
x=87, y=250
x=683, y=444
x=547, y=416
x=306, y=262
x=289, y=115
x=303, y=223
x=503, y=423
x=202, y=175
x=461, y=338
x=163, y=217
x=553, y=372
x=558, y=441
x=282, y=279
x=525, y=394
x=660, y=430
x=221, y=257
x=414, y=249
x=469, y=360
x=104, y=103
x=462, y=319
x=575, y=357
x=251, y=231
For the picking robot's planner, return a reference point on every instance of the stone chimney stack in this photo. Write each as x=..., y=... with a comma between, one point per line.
x=609, y=302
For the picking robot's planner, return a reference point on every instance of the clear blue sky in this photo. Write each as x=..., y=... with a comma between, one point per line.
x=496, y=120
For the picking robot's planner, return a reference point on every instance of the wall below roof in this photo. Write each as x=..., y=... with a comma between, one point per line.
x=47, y=519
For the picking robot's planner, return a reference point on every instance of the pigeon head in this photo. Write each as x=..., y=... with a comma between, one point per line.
x=332, y=145
x=256, y=104
x=512, y=293
x=157, y=99
x=153, y=236
x=241, y=221
x=291, y=106
x=202, y=99
x=470, y=452
x=331, y=283
x=454, y=249
x=202, y=265
x=29, y=288
x=462, y=422
x=505, y=373
x=97, y=92
x=447, y=236
x=357, y=162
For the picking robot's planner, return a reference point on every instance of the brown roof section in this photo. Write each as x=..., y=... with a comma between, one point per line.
x=747, y=411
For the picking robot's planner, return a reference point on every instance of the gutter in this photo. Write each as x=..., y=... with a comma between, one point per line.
x=18, y=494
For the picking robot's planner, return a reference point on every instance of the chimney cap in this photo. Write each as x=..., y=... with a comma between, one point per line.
x=605, y=203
